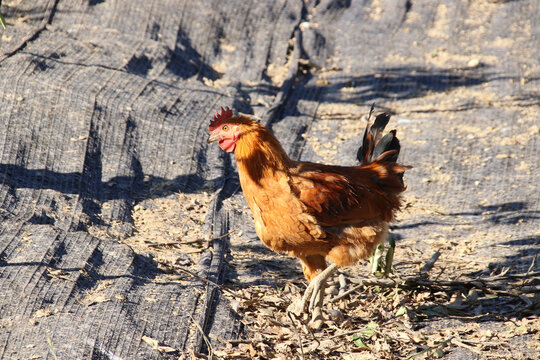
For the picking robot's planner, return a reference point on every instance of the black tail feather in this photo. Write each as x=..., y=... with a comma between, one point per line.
x=388, y=148
x=376, y=149
x=378, y=126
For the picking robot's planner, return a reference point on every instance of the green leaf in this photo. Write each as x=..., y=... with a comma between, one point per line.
x=376, y=258
x=2, y=21
x=389, y=255
x=359, y=341
x=369, y=333
x=401, y=311
x=521, y=329
x=438, y=354
x=391, y=241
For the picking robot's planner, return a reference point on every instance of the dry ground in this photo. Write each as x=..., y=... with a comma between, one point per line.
x=425, y=308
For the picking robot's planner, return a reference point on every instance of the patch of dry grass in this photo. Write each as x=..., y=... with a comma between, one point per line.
x=412, y=314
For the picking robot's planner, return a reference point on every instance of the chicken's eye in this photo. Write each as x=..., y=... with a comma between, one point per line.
x=225, y=128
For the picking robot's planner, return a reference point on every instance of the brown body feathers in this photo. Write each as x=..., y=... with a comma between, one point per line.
x=318, y=212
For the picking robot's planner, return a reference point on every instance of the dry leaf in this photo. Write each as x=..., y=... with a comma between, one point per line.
x=155, y=345
x=43, y=313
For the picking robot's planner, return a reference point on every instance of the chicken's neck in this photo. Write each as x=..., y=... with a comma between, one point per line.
x=260, y=155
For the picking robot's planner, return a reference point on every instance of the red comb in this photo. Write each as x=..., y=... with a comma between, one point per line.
x=219, y=118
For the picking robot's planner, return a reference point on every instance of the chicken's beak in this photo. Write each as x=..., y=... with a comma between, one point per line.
x=212, y=138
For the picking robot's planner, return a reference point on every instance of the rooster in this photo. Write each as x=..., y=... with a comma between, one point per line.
x=318, y=213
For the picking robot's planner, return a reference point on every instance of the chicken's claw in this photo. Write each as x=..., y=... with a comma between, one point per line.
x=314, y=294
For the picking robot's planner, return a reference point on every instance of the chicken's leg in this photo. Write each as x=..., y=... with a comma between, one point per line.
x=315, y=294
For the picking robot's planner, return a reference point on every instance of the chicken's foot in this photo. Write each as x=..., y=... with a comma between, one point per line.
x=314, y=294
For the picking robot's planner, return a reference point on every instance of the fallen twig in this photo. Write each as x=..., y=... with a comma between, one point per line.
x=190, y=273
x=429, y=348
x=232, y=342
x=195, y=251
x=220, y=287
x=346, y=293
x=429, y=264
x=388, y=283
x=297, y=335
x=457, y=342
x=51, y=348
x=352, y=332
x=532, y=264
x=189, y=242
x=205, y=338
x=496, y=284
x=156, y=245
x=224, y=235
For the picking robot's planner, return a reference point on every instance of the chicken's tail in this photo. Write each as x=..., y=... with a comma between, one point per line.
x=380, y=153
x=378, y=148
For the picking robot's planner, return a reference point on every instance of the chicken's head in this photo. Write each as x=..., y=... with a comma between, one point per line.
x=223, y=130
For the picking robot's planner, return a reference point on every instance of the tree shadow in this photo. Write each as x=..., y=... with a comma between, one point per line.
x=118, y=187
x=396, y=83
x=524, y=258
x=139, y=65
x=186, y=62
x=403, y=83
x=484, y=297
x=502, y=300
x=260, y=265
x=504, y=214
x=497, y=308
x=508, y=213
x=91, y=190
x=183, y=61
x=142, y=268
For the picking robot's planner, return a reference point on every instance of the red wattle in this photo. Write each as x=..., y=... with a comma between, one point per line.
x=227, y=144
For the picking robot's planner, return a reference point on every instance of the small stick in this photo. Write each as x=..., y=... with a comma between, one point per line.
x=185, y=271
x=205, y=338
x=429, y=264
x=388, y=283
x=532, y=264
x=429, y=348
x=342, y=284
x=440, y=273
x=352, y=332
x=512, y=276
x=501, y=275
x=191, y=241
x=51, y=348
x=339, y=297
x=224, y=235
x=155, y=245
x=220, y=287
x=529, y=270
x=232, y=342
x=194, y=251
x=457, y=342
x=297, y=335
x=487, y=343
x=176, y=243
